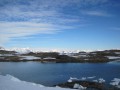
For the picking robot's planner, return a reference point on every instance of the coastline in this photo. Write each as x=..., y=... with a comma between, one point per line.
x=55, y=61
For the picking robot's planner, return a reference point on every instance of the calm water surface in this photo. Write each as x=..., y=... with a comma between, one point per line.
x=53, y=73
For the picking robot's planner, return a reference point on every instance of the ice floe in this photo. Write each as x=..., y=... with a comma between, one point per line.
x=101, y=80
x=95, y=80
x=91, y=77
x=115, y=82
x=72, y=79
x=80, y=87
x=83, y=78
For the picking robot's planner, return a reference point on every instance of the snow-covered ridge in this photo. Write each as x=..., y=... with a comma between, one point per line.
x=82, y=53
x=27, y=50
x=20, y=50
x=1, y=48
x=35, y=50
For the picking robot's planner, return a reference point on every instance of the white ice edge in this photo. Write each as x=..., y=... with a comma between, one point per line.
x=9, y=82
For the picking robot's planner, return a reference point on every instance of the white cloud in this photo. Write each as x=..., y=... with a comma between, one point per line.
x=22, y=29
x=38, y=16
x=9, y=30
x=94, y=2
x=25, y=20
x=116, y=28
x=95, y=13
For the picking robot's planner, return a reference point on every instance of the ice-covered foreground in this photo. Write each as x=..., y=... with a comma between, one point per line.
x=9, y=82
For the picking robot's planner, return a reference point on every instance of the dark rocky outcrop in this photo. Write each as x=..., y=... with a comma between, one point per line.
x=88, y=84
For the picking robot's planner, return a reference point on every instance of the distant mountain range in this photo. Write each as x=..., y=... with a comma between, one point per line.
x=23, y=54
x=28, y=50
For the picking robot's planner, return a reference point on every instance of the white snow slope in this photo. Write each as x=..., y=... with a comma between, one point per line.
x=9, y=82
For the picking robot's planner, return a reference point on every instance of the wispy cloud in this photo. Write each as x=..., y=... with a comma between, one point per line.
x=20, y=18
x=16, y=29
x=23, y=29
x=96, y=13
x=94, y=2
x=116, y=28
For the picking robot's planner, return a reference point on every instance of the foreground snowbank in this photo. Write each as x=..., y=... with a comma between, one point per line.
x=9, y=82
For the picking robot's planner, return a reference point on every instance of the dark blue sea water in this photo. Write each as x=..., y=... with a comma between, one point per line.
x=53, y=73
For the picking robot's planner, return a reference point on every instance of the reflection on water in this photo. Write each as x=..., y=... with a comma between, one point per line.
x=115, y=62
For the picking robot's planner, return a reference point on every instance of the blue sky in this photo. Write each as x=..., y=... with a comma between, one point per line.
x=60, y=24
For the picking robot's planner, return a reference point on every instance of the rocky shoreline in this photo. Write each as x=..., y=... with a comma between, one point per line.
x=86, y=85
